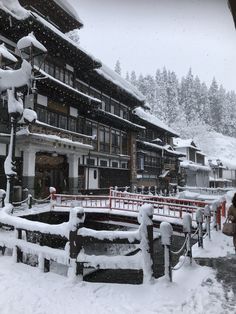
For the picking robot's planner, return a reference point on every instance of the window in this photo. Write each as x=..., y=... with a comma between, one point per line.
x=52, y=118
x=114, y=164
x=124, y=165
x=42, y=114
x=104, y=139
x=124, y=143
x=90, y=161
x=72, y=124
x=57, y=73
x=62, y=122
x=103, y=163
x=115, y=141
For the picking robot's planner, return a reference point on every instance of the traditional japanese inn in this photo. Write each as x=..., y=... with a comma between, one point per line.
x=93, y=129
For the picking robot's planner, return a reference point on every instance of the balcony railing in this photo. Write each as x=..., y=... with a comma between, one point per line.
x=64, y=134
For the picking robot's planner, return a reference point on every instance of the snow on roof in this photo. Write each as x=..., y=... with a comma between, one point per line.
x=52, y=138
x=115, y=78
x=14, y=8
x=122, y=119
x=166, y=148
x=148, y=117
x=66, y=6
x=181, y=143
x=6, y=54
x=67, y=86
x=29, y=40
x=194, y=166
x=62, y=35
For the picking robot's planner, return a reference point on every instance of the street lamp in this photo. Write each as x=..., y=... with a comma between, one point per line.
x=29, y=48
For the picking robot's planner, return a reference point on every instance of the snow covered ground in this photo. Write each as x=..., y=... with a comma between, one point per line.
x=195, y=289
x=216, y=145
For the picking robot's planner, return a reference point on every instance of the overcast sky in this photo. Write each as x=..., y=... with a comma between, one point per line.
x=149, y=34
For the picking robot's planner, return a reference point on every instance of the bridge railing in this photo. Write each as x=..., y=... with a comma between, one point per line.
x=163, y=206
x=81, y=237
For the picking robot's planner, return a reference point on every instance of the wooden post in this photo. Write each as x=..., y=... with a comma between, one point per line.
x=166, y=231
x=110, y=197
x=207, y=214
x=146, y=241
x=46, y=265
x=30, y=201
x=187, y=228
x=199, y=218
x=19, y=254
x=77, y=217
x=218, y=217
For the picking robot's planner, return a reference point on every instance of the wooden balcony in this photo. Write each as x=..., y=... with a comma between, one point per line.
x=64, y=134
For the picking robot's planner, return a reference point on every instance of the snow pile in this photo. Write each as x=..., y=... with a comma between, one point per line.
x=14, y=8
x=16, y=78
x=30, y=40
x=14, y=105
x=148, y=117
x=218, y=146
x=29, y=115
x=6, y=54
x=166, y=231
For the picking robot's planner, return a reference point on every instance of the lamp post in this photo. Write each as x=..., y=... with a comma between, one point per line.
x=29, y=48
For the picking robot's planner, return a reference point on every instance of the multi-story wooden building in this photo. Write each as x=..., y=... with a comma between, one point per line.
x=83, y=138
x=193, y=170
x=157, y=162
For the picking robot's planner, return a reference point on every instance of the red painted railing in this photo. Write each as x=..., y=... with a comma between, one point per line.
x=163, y=206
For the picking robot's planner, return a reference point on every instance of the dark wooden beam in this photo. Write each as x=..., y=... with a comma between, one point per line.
x=232, y=6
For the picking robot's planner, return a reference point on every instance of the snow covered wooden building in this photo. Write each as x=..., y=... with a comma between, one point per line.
x=157, y=162
x=83, y=138
x=193, y=170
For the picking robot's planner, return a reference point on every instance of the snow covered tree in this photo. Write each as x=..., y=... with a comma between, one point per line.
x=74, y=35
x=133, y=78
x=127, y=76
x=118, y=67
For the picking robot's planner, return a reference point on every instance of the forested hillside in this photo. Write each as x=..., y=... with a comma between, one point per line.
x=188, y=105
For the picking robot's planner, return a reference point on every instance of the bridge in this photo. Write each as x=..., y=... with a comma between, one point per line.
x=47, y=234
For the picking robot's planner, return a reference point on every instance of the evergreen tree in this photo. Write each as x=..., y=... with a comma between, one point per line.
x=133, y=78
x=118, y=67
x=127, y=76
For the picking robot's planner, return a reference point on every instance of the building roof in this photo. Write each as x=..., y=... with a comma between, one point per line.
x=66, y=6
x=151, y=119
x=116, y=79
x=185, y=143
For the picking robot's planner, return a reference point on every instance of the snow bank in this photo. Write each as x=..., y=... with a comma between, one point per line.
x=194, y=290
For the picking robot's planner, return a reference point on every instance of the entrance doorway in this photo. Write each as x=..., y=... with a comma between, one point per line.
x=50, y=170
